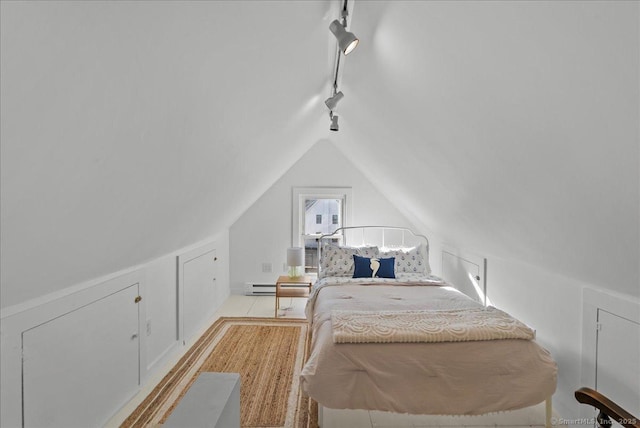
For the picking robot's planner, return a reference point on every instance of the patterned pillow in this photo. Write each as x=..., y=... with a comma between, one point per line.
x=338, y=261
x=409, y=260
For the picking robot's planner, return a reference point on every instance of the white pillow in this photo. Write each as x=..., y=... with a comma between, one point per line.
x=409, y=260
x=338, y=261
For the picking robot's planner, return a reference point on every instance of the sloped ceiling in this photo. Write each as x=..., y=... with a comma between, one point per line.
x=131, y=129
x=511, y=128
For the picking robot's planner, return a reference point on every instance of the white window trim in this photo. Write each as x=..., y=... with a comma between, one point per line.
x=299, y=195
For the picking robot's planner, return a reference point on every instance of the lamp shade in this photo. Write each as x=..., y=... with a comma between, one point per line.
x=346, y=40
x=295, y=256
x=334, y=123
x=331, y=102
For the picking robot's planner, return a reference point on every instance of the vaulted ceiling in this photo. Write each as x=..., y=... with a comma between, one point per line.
x=131, y=129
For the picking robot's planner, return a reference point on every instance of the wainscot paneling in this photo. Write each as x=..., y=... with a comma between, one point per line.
x=77, y=358
x=611, y=347
x=200, y=293
x=89, y=349
x=81, y=388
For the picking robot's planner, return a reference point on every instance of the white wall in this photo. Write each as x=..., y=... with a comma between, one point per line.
x=263, y=232
x=157, y=281
x=552, y=305
x=123, y=124
x=162, y=303
x=508, y=127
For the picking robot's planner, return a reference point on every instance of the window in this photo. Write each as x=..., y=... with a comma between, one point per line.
x=311, y=206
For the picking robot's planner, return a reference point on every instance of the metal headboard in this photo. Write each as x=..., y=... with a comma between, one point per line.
x=347, y=236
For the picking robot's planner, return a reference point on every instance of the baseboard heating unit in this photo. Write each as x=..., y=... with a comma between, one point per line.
x=260, y=289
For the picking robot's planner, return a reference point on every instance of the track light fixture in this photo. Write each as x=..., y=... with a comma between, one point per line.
x=334, y=122
x=346, y=40
x=331, y=102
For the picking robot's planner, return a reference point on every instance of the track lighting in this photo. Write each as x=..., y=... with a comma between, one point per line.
x=346, y=43
x=346, y=40
x=334, y=123
x=331, y=102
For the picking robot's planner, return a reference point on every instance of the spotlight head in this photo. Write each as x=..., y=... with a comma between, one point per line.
x=331, y=102
x=334, y=123
x=346, y=40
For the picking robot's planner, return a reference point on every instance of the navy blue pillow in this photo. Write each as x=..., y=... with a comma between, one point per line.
x=363, y=267
x=386, y=269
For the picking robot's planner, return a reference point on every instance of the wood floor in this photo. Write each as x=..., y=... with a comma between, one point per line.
x=263, y=306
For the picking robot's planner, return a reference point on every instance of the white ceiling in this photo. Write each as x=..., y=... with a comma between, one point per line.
x=511, y=128
x=131, y=129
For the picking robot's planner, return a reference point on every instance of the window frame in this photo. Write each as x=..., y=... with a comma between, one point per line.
x=300, y=194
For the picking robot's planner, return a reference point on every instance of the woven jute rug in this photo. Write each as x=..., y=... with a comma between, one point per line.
x=268, y=354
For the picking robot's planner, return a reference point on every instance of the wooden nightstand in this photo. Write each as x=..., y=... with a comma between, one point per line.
x=298, y=286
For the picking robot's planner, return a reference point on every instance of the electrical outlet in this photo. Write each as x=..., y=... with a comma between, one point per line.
x=148, y=327
x=267, y=267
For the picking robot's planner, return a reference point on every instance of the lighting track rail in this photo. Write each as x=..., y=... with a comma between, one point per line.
x=347, y=42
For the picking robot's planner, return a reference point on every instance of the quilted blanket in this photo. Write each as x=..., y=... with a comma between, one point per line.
x=458, y=325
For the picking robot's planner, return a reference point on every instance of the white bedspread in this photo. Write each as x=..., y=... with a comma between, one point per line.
x=458, y=325
x=449, y=378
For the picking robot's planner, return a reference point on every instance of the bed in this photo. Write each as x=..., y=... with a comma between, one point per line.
x=374, y=345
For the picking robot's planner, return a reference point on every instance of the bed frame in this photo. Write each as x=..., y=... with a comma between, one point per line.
x=382, y=236
x=390, y=237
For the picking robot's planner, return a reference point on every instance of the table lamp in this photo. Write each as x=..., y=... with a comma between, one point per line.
x=295, y=261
